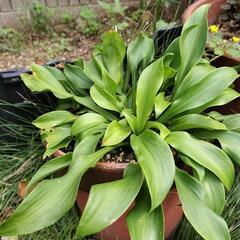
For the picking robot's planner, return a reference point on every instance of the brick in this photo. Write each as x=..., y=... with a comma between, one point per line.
x=51, y=3
x=62, y=3
x=74, y=2
x=17, y=4
x=5, y=6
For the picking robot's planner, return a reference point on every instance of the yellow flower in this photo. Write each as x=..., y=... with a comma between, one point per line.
x=236, y=39
x=214, y=28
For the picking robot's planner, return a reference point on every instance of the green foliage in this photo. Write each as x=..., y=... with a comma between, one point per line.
x=10, y=40
x=222, y=46
x=114, y=11
x=40, y=17
x=89, y=21
x=66, y=18
x=119, y=91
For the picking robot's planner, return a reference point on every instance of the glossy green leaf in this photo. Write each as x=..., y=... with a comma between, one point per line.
x=50, y=167
x=87, y=121
x=104, y=99
x=60, y=194
x=131, y=119
x=143, y=224
x=89, y=103
x=116, y=132
x=214, y=192
x=157, y=163
x=225, y=97
x=210, y=87
x=136, y=55
x=192, y=78
x=113, y=52
x=191, y=121
x=192, y=41
x=149, y=83
x=175, y=50
x=204, y=153
x=230, y=142
x=51, y=150
x=53, y=119
x=232, y=122
x=164, y=131
x=43, y=80
x=161, y=103
x=206, y=222
x=97, y=214
x=54, y=136
x=197, y=168
x=77, y=77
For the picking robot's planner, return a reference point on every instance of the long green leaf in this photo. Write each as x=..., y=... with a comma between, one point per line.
x=192, y=78
x=54, y=118
x=214, y=192
x=119, y=195
x=77, y=77
x=157, y=164
x=232, y=122
x=161, y=103
x=89, y=103
x=116, y=132
x=104, y=99
x=113, y=53
x=198, y=169
x=51, y=167
x=207, y=223
x=230, y=142
x=191, y=121
x=60, y=194
x=192, y=41
x=204, y=153
x=143, y=224
x=87, y=121
x=149, y=83
x=225, y=97
x=206, y=90
x=43, y=80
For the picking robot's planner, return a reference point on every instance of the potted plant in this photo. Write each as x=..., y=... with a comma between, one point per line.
x=153, y=108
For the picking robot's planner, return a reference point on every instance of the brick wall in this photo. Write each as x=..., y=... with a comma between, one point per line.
x=16, y=5
x=12, y=11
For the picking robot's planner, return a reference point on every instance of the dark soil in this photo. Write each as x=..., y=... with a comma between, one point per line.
x=121, y=155
x=229, y=19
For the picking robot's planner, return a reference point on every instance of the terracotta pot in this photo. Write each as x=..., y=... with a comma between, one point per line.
x=106, y=172
x=225, y=60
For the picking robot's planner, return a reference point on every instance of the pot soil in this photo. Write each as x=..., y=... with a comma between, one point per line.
x=226, y=60
x=111, y=171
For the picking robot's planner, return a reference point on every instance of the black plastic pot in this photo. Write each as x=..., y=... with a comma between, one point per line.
x=17, y=102
x=163, y=38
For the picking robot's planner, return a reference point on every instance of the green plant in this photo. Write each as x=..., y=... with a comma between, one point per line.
x=156, y=108
x=40, y=17
x=115, y=10
x=10, y=40
x=220, y=45
x=89, y=22
x=66, y=18
x=231, y=214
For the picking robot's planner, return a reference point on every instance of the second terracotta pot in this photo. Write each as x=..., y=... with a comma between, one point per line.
x=107, y=172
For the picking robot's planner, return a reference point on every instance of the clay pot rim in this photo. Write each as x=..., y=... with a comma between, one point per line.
x=103, y=166
x=188, y=12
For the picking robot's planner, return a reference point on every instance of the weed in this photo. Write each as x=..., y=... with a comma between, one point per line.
x=10, y=40
x=89, y=21
x=40, y=18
